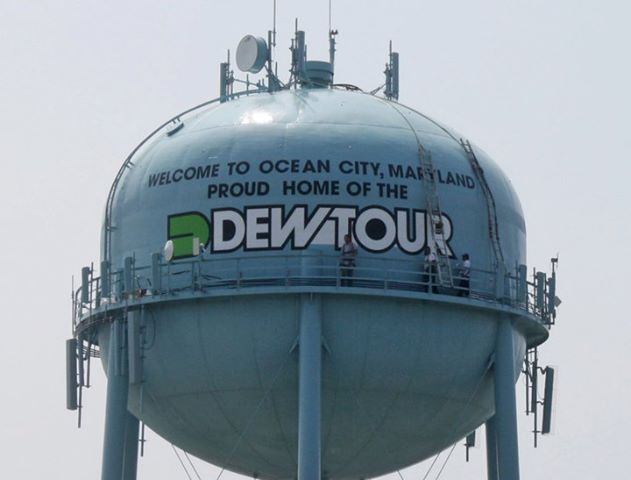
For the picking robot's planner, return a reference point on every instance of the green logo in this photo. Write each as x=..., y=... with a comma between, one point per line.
x=182, y=228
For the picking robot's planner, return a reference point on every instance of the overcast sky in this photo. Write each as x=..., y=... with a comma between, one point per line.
x=542, y=86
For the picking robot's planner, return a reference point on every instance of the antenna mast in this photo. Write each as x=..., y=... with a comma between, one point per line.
x=392, y=75
x=332, y=34
x=329, y=15
x=274, y=29
x=272, y=80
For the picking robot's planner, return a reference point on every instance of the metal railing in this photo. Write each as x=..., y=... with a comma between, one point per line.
x=203, y=275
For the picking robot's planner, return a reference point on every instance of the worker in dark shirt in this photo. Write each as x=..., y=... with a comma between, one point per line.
x=465, y=275
x=347, y=261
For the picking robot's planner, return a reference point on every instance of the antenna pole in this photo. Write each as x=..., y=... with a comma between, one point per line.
x=332, y=34
x=270, y=75
x=392, y=75
x=224, y=68
x=388, y=73
x=329, y=15
x=272, y=39
x=274, y=27
x=298, y=57
x=272, y=79
x=225, y=80
x=394, y=65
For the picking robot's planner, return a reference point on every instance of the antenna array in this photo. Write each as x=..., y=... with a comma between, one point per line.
x=255, y=54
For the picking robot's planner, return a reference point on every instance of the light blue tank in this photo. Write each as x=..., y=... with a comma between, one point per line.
x=310, y=129
x=270, y=183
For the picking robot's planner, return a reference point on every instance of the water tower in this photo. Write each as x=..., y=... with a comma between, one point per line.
x=234, y=319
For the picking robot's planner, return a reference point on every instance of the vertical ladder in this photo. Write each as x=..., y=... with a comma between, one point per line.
x=490, y=202
x=438, y=242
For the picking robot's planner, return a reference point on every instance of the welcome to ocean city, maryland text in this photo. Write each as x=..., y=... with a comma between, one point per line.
x=304, y=187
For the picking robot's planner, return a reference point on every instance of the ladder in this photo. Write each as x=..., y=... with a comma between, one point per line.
x=490, y=202
x=438, y=242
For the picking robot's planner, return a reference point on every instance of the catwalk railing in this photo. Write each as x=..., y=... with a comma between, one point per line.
x=203, y=275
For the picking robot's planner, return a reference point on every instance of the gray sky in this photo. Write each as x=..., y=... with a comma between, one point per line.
x=542, y=86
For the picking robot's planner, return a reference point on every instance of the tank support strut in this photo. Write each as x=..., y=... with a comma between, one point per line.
x=310, y=385
x=120, y=442
x=491, y=449
x=505, y=419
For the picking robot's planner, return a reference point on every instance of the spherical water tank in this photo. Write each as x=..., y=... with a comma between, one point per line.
x=269, y=184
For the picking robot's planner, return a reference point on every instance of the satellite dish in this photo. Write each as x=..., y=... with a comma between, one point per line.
x=251, y=54
x=168, y=250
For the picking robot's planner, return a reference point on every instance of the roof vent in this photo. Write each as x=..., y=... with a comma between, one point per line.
x=319, y=74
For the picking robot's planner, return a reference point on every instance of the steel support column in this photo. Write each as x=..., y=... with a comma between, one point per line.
x=120, y=442
x=491, y=449
x=130, y=459
x=505, y=403
x=310, y=386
